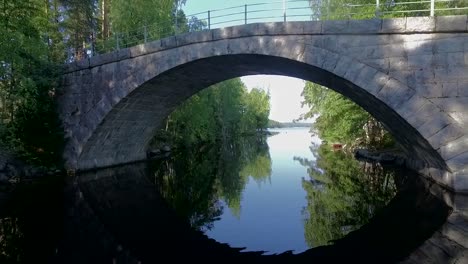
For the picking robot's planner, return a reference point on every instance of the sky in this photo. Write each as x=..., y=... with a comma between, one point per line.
x=197, y=6
x=257, y=11
x=285, y=92
x=285, y=95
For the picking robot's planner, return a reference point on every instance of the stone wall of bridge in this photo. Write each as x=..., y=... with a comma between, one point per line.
x=410, y=73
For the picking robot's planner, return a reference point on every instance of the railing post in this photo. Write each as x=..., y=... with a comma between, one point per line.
x=92, y=43
x=432, y=7
x=209, y=20
x=377, y=8
x=145, y=33
x=245, y=13
x=117, y=44
x=284, y=10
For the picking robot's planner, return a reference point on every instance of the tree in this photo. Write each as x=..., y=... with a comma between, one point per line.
x=339, y=119
x=342, y=195
x=224, y=111
x=367, y=9
x=130, y=20
x=29, y=50
x=80, y=24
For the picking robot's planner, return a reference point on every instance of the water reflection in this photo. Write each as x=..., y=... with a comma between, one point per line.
x=194, y=182
x=148, y=213
x=342, y=194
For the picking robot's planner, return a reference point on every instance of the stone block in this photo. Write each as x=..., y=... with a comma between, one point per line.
x=449, y=89
x=458, y=104
x=423, y=115
x=418, y=47
x=451, y=23
x=169, y=42
x=425, y=75
x=420, y=24
x=379, y=64
x=220, y=47
x=460, y=184
x=245, y=30
x=432, y=90
x=460, y=202
x=222, y=33
x=103, y=59
x=194, y=37
x=315, y=56
x=393, y=25
x=367, y=26
x=334, y=26
x=398, y=63
x=459, y=163
x=448, y=45
x=365, y=77
x=294, y=28
x=331, y=43
x=343, y=65
x=419, y=61
x=271, y=28
x=400, y=75
x=330, y=61
x=354, y=70
x=312, y=27
x=445, y=135
x=377, y=83
x=462, y=88
x=394, y=93
x=454, y=148
x=451, y=74
x=434, y=125
x=385, y=51
x=123, y=54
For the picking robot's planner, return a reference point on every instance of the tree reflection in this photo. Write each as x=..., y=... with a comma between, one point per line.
x=342, y=194
x=194, y=182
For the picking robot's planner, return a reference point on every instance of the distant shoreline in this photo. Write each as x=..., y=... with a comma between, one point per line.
x=276, y=124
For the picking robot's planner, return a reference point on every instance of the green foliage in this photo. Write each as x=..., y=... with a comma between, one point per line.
x=35, y=131
x=342, y=195
x=367, y=9
x=276, y=124
x=339, y=119
x=79, y=25
x=194, y=180
x=28, y=79
x=128, y=18
x=223, y=111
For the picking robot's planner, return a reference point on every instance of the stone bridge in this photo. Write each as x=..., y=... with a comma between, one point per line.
x=409, y=73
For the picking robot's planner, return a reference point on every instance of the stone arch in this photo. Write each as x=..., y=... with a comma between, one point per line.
x=131, y=123
x=112, y=104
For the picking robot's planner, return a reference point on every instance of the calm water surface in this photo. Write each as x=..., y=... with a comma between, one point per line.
x=284, y=192
x=265, y=194
x=270, y=216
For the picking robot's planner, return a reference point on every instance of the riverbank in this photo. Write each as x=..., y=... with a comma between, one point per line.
x=13, y=170
x=384, y=157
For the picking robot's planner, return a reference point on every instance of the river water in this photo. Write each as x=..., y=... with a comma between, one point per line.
x=247, y=199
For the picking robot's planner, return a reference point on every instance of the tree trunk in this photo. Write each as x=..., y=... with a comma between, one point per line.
x=105, y=23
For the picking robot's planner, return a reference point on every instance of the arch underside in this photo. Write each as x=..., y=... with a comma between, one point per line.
x=126, y=131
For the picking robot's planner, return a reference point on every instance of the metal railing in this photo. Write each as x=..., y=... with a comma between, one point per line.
x=277, y=11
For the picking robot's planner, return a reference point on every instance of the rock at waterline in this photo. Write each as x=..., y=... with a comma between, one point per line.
x=384, y=158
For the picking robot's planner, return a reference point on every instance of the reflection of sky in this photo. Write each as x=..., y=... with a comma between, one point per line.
x=270, y=217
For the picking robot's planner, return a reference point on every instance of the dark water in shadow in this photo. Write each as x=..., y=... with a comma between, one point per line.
x=170, y=210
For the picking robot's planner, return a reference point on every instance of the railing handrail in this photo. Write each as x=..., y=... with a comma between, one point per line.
x=250, y=13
